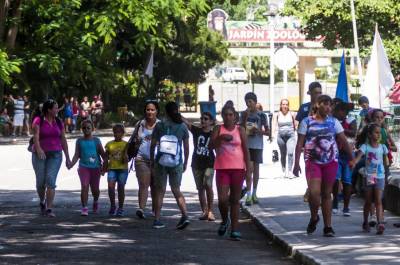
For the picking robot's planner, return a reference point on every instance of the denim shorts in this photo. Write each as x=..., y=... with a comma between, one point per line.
x=379, y=184
x=46, y=170
x=118, y=175
x=344, y=172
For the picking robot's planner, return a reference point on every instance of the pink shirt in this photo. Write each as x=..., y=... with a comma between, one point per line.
x=49, y=135
x=230, y=154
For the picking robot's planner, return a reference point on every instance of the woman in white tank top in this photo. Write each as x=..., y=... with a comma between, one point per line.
x=284, y=127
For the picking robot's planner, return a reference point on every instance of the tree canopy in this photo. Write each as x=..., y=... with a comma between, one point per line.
x=78, y=47
x=332, y=19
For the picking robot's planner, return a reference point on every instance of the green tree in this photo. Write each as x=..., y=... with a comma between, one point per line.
x=10, y=14
x=80, y=47
x=332, y=20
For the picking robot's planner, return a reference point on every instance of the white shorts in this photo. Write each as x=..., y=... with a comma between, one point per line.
x=18, y=119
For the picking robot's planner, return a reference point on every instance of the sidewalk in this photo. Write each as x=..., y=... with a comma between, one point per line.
x=284, y=216
x=74, y=135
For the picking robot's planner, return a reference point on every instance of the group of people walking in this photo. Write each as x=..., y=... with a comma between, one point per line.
x=337, y=154
x=233, y=150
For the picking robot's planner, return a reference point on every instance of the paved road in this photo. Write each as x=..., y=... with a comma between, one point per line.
x=26, y=237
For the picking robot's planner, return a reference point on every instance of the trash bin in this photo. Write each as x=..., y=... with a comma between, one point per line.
x=208, y=106
x=122, y=113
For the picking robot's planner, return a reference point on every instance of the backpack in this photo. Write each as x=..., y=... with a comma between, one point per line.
x=169, y=150
x=134, y=142
x=59, y=125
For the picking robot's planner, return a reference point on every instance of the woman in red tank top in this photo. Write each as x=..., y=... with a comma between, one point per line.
x=232, y=159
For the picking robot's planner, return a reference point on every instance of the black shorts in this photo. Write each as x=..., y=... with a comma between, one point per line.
x=256, y=155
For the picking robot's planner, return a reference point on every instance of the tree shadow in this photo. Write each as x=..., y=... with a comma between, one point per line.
x=29, y=238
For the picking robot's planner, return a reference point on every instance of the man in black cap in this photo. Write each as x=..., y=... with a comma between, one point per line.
x=314, y=90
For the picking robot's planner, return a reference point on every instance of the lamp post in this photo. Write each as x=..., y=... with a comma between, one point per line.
x=355, y=35
x=251, y=10
x=271, y=14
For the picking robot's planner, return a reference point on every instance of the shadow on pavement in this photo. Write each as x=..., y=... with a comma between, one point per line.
x=290, y=216
x=28, y=238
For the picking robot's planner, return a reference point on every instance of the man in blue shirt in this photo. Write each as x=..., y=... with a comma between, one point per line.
x=314, y=90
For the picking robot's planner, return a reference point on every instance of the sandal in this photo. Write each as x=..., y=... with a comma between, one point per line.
x=380, y=228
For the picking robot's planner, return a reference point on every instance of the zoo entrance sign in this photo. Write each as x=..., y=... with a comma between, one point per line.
x=244, y=31
x=251, y=31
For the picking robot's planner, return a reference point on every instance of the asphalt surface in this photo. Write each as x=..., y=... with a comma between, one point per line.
x=26, y=237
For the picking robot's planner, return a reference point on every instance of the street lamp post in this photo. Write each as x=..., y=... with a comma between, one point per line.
x=272, y=12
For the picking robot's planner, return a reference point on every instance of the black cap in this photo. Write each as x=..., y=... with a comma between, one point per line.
x=363, y=99
x=313, y=85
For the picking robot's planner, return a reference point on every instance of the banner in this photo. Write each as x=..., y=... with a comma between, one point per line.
x=251, y=31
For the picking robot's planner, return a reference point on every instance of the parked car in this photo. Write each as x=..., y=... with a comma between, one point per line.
x=232, y=74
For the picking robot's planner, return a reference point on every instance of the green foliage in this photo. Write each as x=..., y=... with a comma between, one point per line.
x=8, y=67
x=86, y=47
x=332, y=19
x=238, y=10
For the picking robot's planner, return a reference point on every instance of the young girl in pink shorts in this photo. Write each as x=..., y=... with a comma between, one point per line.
x=88, y=151
x=231, y=162
x=318, y=135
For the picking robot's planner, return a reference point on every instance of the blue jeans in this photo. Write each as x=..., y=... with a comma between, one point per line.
x=118, y=175
x=46, y=170
x=344, y=172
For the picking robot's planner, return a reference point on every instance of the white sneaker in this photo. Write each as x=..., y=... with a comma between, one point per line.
x=335, y=210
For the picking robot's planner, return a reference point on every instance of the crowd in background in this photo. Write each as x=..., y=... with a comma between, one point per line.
x=18, y=113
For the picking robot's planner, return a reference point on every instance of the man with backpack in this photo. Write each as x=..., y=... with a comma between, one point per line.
x=169, y=135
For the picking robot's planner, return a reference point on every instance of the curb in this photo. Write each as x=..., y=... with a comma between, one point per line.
x=25, y=140
x=292, y=245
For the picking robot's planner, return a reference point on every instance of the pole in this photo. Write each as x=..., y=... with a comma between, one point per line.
x=271, y=65
x=359, y=68
x=285, y=80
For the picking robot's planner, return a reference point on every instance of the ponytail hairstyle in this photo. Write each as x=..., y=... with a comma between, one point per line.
x=321, y=99
x=372, y=114
x=363, y=137
x=48, y=105
x=228, y=107
x=171, y=109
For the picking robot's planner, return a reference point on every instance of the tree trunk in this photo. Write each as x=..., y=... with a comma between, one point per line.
x=4, y=5
x=13, y=30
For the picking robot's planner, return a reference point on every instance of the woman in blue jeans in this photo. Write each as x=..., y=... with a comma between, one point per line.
x=48, y=143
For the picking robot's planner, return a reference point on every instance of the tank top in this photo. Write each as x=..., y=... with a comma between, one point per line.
x=230, y=154
x=89, y=156
x=285, y=122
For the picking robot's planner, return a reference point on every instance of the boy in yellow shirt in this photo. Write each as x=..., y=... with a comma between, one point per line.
x=117, y=167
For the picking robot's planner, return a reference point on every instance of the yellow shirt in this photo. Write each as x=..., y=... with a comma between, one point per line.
x=116, y=154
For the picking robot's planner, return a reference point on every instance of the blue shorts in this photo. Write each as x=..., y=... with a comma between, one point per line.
x=46, y=170
x=118, y=175
x=344, y=172
x=380, y=184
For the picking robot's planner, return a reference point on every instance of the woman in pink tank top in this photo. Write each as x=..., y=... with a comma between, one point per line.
x=231, y=162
